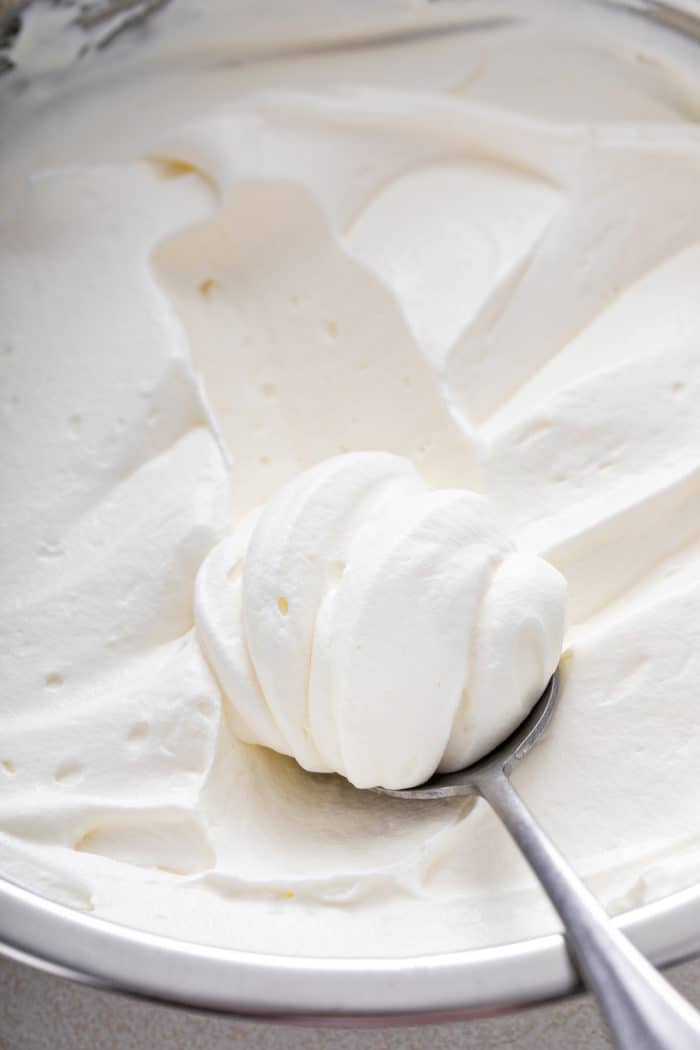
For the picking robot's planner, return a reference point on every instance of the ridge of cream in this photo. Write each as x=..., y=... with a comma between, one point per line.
x=370, y=627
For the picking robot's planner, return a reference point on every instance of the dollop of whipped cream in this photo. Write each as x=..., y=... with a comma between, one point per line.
x=445, y=246
x=369, y=626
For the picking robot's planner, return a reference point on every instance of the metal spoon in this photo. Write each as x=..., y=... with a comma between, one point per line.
x=642, y=1010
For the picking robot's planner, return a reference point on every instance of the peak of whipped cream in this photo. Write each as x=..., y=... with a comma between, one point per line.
x=369, y=626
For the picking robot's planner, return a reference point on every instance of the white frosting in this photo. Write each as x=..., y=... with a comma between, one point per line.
x=376, y=629
x=450, y=250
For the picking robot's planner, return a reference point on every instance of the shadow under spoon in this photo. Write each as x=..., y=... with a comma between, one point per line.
x=643, y=1011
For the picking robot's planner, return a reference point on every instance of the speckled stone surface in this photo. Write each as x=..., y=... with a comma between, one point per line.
x=38, y=1012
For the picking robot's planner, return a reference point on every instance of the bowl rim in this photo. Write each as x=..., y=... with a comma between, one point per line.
x=333, y=991
x=364, y=991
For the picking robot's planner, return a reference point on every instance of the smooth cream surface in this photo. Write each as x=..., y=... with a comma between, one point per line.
x=446, y=258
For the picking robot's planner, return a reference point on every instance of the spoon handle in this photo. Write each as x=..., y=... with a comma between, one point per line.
x=641, y=1008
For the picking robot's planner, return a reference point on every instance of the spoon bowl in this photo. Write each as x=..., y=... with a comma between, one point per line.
x=500, y=760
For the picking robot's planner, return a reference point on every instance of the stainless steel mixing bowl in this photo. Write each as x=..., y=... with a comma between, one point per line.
x=80, y=946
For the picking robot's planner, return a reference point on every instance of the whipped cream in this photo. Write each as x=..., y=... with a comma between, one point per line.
x=441, y=257
x=370, y=627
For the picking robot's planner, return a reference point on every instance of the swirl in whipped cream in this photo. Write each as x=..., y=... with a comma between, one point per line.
x=381, y=630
